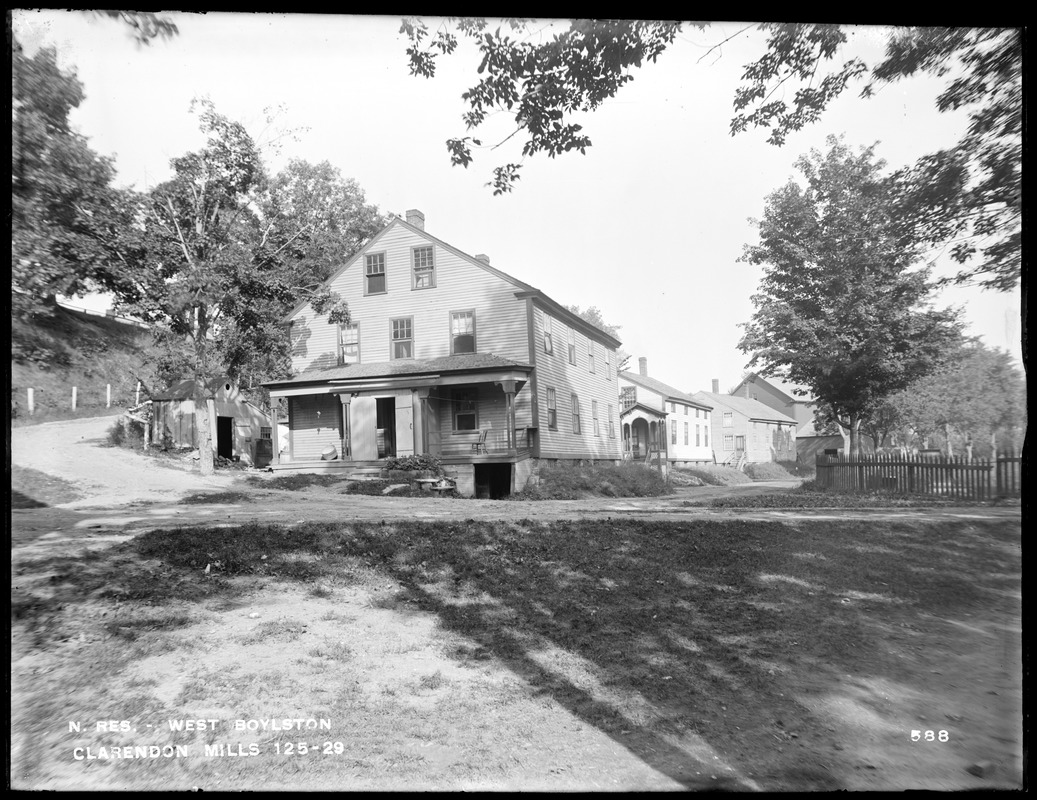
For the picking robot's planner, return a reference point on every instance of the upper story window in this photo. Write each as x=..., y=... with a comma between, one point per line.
x=548, y=343
x=673, y=431
x=729, y=419
x=594, y=416
x=462, y=332
x=590, y=354
x=424, y=268
x=374, y=273
x=349, y=343
x=572, y=346
x=685, y=433
x=673, y=408
x=627, y=397
x=552, y=409
x=685, y=411
x=608, y=365
x=698, y=436
x=403, y=337
x=697, y=413
x=576, y=414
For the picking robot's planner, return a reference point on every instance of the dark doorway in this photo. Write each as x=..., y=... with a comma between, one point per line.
x=492, y=481
x=386, y=424
x=225, y=437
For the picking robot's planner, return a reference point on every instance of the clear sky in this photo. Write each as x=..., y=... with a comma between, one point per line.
x=648, y=226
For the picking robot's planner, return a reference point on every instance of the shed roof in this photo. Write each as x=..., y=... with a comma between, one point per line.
x=184, y=390
x=752, y=409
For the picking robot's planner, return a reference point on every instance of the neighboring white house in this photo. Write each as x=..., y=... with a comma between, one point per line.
x=656, y=417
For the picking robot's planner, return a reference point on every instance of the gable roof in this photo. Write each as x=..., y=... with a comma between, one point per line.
x=524, y=289
x=466, y=362
x=664, y=389
x=753, y=409
x=184, y=390
x=782, y=385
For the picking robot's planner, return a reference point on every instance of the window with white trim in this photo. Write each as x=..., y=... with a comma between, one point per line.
x=374, y=273
x=576, y=414
x=729, y=419
x=698, y=437
x=552, y=409
x=729, y=441
x=612, y=425
x=685, y=433
x=349, y=343
x=594, y=416
x=466, y=409
x=403, y=337
x=548, y=328
x=462, y=332
x=673, y=431
x=424, y=268
x=590, y=355
x=572, y=346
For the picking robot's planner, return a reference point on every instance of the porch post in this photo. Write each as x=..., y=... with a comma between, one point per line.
x=275, y=448
x=347, y=451
x=509, y=399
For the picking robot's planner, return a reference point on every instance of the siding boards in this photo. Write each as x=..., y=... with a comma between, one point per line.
x=555, y=371
x=500, y=317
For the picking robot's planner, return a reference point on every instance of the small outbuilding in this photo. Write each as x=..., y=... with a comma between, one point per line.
x=237, y=425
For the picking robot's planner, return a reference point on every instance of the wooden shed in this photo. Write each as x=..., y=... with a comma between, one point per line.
x=237, y=424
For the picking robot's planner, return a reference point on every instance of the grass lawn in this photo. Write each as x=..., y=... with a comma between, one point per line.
x=548, y=655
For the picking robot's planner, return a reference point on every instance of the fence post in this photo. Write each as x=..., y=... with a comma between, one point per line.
x=32, y=400
x=108, y=401
x=74, y=390
x=137, y=401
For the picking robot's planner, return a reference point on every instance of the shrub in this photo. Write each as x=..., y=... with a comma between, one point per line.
x=797, y=468
x=717, y=475
x=573, y=481
x=766, y=471
x=126, y=433
x=414, y=463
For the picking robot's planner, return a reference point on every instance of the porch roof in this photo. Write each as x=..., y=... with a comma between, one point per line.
x=457, y=365
x=646, y=409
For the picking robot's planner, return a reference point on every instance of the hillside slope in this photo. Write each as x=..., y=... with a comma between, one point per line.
x=72, y=348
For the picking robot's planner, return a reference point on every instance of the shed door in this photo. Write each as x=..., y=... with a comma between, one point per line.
x=404, y=425
x=363, y=428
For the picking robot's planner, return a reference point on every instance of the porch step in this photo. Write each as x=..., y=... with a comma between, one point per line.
x=365, y=474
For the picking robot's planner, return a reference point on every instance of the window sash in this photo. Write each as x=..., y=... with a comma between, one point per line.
x=576, y=414
x=612, y=425
x=572, y=346
x=673, y=432
x=424, y=268
x=403, y=338
x=685, y=433
x=552, y=409
x=466, y=415
x=728, y=419
x=462, y=332
x=375, y=273
x=348, y=343
x=594, y=416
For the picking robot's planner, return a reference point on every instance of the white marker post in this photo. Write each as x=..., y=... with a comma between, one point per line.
x=74, y=389
x=137, y=401
x=32, y=400
x=109, y=400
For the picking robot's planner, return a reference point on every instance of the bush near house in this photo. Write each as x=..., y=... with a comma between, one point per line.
x=574, y=481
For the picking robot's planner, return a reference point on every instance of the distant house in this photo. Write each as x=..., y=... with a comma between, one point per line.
x=236, y=424
x=657, y=418
x=448, y=356
x=781, y=396
x=747, y=430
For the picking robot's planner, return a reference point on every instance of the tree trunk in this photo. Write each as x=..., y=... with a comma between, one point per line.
x=203, y=431
x=855, y=437
x=947, y=435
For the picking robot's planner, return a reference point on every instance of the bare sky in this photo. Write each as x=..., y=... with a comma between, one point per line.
x=648, y=226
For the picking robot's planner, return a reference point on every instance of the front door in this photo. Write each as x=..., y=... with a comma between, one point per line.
x=225, y=437
x=739, y=443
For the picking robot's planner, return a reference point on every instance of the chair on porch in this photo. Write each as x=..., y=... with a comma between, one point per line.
x=479, y=446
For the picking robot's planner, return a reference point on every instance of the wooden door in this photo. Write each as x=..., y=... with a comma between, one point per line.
x=404, y=425
x=363, y=421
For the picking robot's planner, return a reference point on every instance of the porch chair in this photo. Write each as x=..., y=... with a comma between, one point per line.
x=479, y=446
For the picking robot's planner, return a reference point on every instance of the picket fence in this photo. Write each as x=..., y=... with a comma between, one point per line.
x=958, y=477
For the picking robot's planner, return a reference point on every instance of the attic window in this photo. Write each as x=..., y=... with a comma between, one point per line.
x=374, y=273
x=424, y=268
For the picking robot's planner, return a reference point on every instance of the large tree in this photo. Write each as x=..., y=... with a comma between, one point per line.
x=843, y=306
x=217, y=259
x=64, y=210
x=967, y=196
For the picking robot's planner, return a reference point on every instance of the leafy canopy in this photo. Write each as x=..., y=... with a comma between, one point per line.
x=842, y=306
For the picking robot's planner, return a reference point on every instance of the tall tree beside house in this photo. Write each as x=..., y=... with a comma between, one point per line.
x=967, y=196
x=64, y=210
x=202, y=263
x=843, y=306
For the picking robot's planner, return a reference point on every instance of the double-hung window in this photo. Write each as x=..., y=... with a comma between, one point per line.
x=374, y=273
x=572, y=346
x=552, y=410
x=349, y=343
x=465, y=415
x=685, y=433
x=548, y=343
x=424, y=268
x=729, y=419
x=576, y=414
x=403, y=337
x=462, y=332
x=612, y=425
x=594, y=416
x=608, y=364
x=705, y=436
x=673, y=431
x=698, y=436
x=590, y=355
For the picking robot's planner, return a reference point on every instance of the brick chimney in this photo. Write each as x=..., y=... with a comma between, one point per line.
x=416, y=218
x=716, y=386
x=642, y=366
x=483, y=258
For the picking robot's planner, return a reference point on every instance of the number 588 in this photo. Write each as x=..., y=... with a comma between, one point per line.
x=930, y=736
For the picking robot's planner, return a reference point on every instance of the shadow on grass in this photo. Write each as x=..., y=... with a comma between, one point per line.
x=20, y=500
x=683, y=642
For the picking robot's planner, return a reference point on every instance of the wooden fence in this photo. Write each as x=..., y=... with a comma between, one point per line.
x=960, y=478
